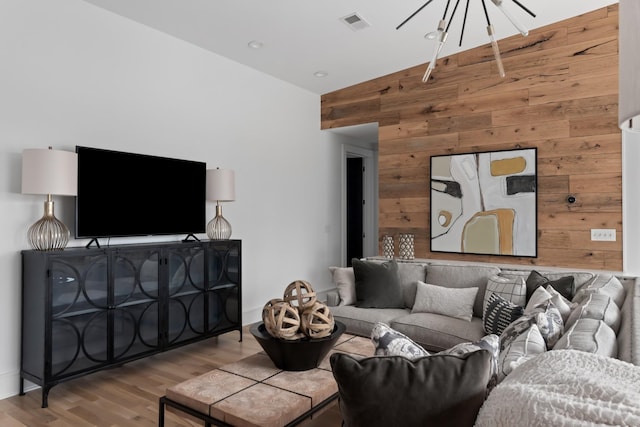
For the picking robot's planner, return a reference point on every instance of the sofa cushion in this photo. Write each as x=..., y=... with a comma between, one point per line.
x=451, y=302
x=436, y=390
x=590, y=335
x=599, y=307
x=606, y=284
x=512, y=289
x=360, y=321
x=377, y=284
x=462, y=276
x=345, y=281
x=389, y=342
x=565, y=285
x=436, y=332
x=526, y=345
x=499, y=314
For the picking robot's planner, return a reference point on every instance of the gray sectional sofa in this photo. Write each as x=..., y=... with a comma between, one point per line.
x=436, y=332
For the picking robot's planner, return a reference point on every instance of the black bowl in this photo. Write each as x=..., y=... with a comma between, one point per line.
x=296, y=355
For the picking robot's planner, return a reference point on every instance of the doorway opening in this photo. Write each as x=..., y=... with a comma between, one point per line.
x=360, y=202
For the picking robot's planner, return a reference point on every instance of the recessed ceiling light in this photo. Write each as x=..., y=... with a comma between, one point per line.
x=321, y=74
x=255, y=44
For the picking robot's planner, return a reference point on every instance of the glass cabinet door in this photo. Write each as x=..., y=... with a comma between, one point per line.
x=78, y=303
x=135, y=306
x=186, y=299
x=223, y=286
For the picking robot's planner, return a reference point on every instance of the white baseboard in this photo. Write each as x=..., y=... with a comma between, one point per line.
x=10, y=384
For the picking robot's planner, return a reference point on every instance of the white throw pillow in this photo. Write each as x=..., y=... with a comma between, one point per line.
x=526, y=346
x=345, y=281
x=541, y=295
x=512, y=289
x=452, y=302
x=563, y=305
x=538, y=296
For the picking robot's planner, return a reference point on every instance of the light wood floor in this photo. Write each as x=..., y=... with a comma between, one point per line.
x=128, y=396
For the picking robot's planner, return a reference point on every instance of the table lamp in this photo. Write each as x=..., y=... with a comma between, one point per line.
x=221, y=187
x=49, y=172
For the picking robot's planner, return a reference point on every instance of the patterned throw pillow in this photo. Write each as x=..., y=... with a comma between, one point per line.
x=389, y=342
x=512, y=289
x=490, y=342
x=500, y=313
x=542, y=295
x=548, y=320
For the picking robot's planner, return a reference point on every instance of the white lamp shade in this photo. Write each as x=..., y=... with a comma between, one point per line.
x=46, y=171
x=629, y=53
x=221, y=185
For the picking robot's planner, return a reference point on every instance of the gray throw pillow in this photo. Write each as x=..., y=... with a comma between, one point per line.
x=377, y=284
x=439, y=390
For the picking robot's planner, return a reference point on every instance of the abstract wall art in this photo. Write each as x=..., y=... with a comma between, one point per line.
x=485, y=203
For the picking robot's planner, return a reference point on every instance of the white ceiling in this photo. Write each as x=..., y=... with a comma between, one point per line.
x=301, y=37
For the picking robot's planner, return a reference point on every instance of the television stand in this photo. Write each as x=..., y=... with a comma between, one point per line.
x=85, y=310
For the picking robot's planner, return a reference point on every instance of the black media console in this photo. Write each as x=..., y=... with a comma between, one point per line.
x=84, y=310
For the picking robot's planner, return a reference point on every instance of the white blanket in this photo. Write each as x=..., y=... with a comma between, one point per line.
x=566, y=388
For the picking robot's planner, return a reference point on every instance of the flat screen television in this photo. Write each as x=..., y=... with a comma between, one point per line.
x=126, y=194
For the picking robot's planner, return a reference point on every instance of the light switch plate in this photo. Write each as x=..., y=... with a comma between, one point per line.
x=603, y=234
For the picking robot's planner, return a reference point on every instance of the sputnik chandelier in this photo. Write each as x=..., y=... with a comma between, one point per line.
x=441, y=34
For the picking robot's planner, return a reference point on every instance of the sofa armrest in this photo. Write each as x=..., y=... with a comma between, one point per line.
x=333, y=298
x=629, y=333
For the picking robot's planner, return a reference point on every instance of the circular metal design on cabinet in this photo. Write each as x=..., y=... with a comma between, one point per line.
x=177, y=272
x=124, y=280
x=148, y=325
x=67, y=348
x=65, y=280
x=94, y=283
x=177, y=319
x=148, y=276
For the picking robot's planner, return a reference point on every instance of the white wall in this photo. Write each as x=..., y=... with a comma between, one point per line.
x=631, y=202
x=71, y=73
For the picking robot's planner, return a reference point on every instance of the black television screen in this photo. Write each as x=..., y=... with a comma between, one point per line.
x=126, y=194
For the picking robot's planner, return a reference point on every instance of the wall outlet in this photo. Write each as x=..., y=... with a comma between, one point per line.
x=603, y=234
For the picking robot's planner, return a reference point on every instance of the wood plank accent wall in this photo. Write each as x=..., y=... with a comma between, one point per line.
x=560, y=95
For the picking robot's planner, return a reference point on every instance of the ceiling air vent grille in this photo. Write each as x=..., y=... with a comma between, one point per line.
x=355, y=22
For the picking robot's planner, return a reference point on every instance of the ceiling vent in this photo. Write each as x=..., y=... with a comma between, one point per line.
x=355, y=22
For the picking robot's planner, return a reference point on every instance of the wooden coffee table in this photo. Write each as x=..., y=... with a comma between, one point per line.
x=254, y=393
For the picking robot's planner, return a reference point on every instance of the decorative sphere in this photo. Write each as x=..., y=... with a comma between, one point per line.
x=281, y=320
x=317, y=321
x=300, y=294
